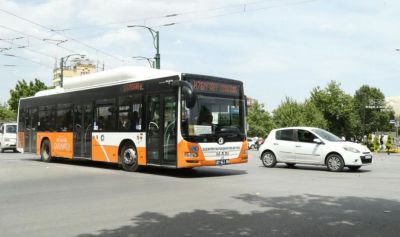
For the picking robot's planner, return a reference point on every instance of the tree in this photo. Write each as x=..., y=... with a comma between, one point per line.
x=368, y=104
x=377, y=145
x=291, y=113
x=7, y=115
x=23, y=89
x=259, y=120
x=389, y=144
x=337, y=108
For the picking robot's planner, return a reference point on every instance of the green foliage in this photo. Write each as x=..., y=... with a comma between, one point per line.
x=24, y=89
x=370, y=142
x=389, y=143
x=376, y=145
x=368, y=104
x=7, y=115
x=337, y=108
x=259, y=120
x=292, y=113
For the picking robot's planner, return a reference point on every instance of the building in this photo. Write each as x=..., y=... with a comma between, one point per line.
x=251, y=101
x=77, y=67
x=394, y=102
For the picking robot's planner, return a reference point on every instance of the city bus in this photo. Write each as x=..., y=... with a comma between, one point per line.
x=137, y=117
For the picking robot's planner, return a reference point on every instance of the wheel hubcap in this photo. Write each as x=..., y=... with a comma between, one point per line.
x=130, y=156
x=268, y=159
x=334, y=163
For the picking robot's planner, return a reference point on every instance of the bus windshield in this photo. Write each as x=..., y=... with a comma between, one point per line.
x=213, y=117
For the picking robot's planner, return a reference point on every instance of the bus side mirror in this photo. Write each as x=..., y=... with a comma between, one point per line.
x=187, y=93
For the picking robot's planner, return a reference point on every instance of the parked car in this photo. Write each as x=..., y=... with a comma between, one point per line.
x=313, y=146
x=251, y=143
x=8, y=137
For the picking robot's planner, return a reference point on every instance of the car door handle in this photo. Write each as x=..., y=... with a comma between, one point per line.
x=298, y=146
x=275, y=144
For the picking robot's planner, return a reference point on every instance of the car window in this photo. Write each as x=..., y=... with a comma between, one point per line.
x=285, y=134
x=11, y=129
x=305, y=136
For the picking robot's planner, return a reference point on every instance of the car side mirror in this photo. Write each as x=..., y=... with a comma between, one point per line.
x=318, y=141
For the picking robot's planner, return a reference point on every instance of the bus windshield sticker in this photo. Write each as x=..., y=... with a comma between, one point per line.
x=202, y=129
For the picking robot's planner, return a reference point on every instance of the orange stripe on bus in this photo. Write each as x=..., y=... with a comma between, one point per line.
x=61, y=143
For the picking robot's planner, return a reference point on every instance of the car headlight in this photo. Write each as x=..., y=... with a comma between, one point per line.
x=351, y=149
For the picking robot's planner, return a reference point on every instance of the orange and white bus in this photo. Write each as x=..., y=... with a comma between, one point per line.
x=136, y=117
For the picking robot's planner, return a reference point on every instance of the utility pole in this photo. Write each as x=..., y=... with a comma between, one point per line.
x=61, y=72
x=156, y=42
x=64, y=61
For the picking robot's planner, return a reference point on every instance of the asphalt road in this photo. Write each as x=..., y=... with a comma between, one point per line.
x=95, y=199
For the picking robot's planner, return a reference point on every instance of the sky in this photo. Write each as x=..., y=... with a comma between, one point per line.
x=278, y=48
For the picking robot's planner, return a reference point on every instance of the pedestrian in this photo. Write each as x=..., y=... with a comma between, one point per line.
x=381, y=142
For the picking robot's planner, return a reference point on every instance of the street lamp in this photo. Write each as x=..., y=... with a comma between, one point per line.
x=156, y=42
x=64, y=62
x=149, y=60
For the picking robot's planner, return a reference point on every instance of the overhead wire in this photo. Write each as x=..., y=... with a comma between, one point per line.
x=65, y=36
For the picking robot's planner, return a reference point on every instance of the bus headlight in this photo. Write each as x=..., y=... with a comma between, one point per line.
x=190, y=155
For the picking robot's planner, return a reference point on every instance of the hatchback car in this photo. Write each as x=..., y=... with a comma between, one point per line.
x=8, y=136
x=313, y=146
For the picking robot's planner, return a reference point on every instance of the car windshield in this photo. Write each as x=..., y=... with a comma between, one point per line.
x=327, y=135
x=11, y=129
x=213, y=117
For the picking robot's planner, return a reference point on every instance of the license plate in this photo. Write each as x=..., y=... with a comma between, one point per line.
x=221, y=162
x=368, y=157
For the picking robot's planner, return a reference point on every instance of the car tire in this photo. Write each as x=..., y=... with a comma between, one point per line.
x=129, y=158
x=334, y=162
x=291, y=165
x=268, y=159
x=252, y=147
x=354, y=168
x=45, y=151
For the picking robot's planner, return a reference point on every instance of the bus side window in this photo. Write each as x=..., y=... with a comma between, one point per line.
x=47, y=116
x=64, y=118
x=130, y=113
x=105, y=115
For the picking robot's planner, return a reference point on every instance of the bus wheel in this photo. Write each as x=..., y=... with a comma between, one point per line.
x=45, y=151
x=129, y=158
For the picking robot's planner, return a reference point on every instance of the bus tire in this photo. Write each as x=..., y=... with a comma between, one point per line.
x=129, y=158
x=45, y=151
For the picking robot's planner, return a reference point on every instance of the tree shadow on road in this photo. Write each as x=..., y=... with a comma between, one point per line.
x=305, y=215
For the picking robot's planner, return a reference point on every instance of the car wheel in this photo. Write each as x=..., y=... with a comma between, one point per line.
x=335, y=163
x=129, y=158
x=291, y=165
x=354, y=167
x=268, y=159
x=45, y=151
x=252, y=146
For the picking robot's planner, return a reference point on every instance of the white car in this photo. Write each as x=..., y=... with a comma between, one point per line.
x=313, y=146
x=251, y=143
x=8, y=136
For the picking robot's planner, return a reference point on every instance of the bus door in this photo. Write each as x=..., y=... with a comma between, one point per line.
x=31, y=128
x=83, y=127
x=161, y=129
